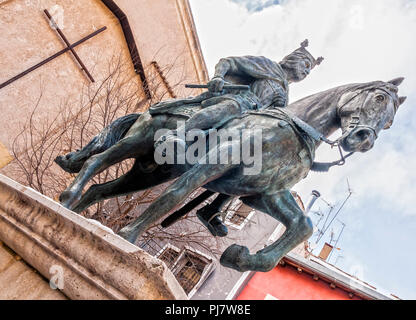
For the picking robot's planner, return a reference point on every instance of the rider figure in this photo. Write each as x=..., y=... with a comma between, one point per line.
x=269, y=87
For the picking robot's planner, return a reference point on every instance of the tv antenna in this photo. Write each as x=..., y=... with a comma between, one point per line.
x=339, y=237
x=326, y=226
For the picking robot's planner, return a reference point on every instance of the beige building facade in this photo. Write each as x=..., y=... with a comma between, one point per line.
x=155, y=39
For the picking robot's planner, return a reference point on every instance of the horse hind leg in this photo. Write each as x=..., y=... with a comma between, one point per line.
x=110, y=135
x=72, y=162
x=175, y=194
x=129, y=147
x=133, y=181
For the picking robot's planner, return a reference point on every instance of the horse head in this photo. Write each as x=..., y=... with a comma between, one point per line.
x=365, y=110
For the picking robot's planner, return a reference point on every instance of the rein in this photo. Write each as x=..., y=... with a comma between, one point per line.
x=354, y=123
x=317, y=136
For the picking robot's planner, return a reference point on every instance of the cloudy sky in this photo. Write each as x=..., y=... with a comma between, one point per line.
x=361, y=41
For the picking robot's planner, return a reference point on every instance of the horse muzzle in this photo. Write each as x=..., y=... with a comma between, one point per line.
x=360, y=139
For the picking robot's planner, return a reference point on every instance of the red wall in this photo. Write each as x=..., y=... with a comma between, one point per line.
x=286, y=283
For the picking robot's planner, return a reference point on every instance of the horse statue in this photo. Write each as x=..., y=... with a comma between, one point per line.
x=289, y=138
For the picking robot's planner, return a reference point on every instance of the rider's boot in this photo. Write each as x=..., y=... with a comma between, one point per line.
x=212, y=221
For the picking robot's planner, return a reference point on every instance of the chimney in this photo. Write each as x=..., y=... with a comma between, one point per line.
x=326, y=251
x=315, y=196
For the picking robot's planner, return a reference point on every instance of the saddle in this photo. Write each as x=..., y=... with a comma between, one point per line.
x=308, y=135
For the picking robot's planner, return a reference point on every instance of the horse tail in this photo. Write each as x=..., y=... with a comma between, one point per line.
x=109, y=136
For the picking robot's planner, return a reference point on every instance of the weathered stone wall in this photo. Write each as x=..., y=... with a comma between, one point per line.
x=18, y=281
x=84, y=259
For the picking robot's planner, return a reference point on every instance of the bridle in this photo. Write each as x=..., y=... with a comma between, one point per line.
x=355, y=123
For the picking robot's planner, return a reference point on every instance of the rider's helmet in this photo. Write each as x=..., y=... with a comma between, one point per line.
x=302, y=53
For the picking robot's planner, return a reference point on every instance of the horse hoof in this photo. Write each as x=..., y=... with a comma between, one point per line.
x=60, y=160
x=218, y=227
x=66, y=164
x=236, y=257
x=67, y=198
x=128, y=234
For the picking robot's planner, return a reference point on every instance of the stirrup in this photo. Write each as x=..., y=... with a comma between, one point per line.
x=162, y=139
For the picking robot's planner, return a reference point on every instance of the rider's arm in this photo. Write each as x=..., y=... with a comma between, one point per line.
x=245, y=66
x=222, y=68
x=239, y=66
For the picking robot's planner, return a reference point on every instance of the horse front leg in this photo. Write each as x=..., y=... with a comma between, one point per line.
x=283, y=207
x=208, y=215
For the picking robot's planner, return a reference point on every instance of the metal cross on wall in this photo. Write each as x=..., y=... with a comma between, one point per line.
x=69, y=47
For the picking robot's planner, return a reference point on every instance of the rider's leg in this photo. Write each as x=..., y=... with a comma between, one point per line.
x=209, y=215
x=209, y=117
x=213, y=116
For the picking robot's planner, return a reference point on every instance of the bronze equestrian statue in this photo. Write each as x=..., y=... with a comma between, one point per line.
x=268, y=88
x=289, y=138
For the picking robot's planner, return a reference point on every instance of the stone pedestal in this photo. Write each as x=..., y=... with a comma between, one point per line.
x=82, y=258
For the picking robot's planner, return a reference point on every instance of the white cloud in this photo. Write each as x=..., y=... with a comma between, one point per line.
x=256, y=5
x=361, y=41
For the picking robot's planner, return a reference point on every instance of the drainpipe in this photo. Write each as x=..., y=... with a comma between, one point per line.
x=314, y=196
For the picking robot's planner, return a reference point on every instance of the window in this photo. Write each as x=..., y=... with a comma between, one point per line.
x=238, y=214
x=190, y=267
x=169, y=256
